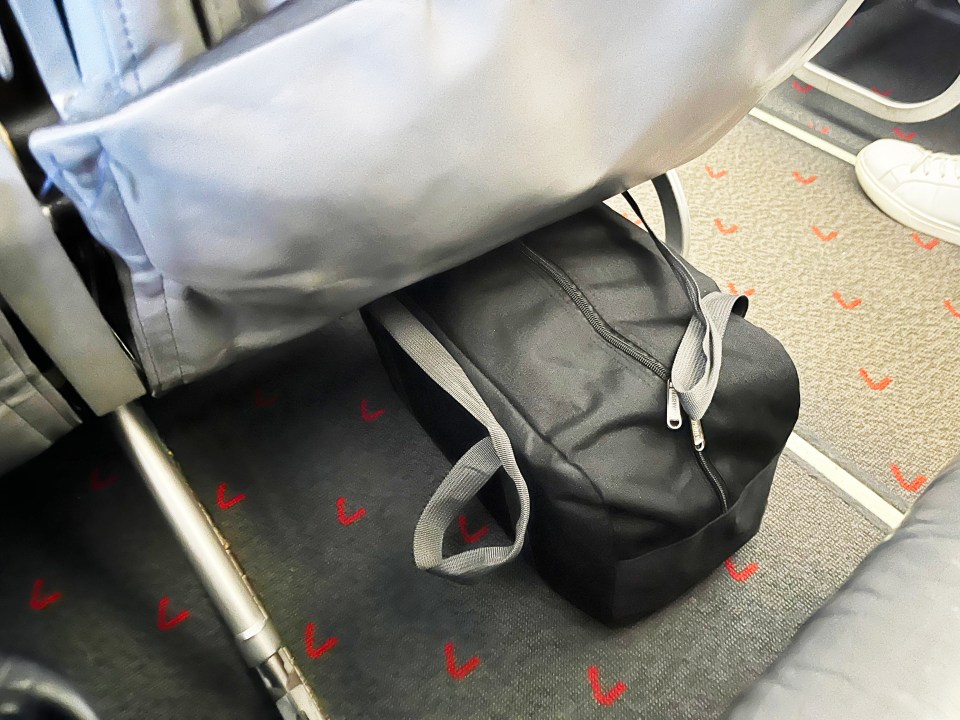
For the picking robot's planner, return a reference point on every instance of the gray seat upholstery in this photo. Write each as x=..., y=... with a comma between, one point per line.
x=32, y=413
x=887, y=645
x=40, y=286
x=245, y=213
x=43, y=289
x=218, y=258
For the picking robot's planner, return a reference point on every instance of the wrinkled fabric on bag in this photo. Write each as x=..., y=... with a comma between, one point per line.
x=332, y=152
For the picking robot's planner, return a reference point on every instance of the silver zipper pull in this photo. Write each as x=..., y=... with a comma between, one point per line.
x=674, y=416
x=696, y=429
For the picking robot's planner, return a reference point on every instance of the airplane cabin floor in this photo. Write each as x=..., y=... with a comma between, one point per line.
x=94, y=584
x=285, y=434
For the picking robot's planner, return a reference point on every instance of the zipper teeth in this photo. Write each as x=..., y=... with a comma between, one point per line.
x=693, y=289
x=623, y=345
x=593, y=317
x=713, y=478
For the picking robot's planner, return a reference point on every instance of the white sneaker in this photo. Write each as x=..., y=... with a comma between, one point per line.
x=915, y=187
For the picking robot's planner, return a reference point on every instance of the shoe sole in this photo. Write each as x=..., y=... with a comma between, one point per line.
x=902, y=213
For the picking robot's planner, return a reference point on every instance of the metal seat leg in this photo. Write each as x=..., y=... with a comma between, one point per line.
x=225, y=582
x=676, y=211
x=884, y=108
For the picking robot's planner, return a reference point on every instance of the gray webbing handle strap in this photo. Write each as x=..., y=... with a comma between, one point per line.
x=472, y=470
x=696, y=366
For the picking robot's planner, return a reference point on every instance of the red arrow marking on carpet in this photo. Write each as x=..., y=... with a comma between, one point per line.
x=855, y=303
x=904, y=135
x=908, y=485
x=803, y=180
x=262, y=400
x=310, y=642
x=925, y=245
x=740, y=575
x=878, y=91
x=342, y=513
x=38, y=601
x=369, y=415
x=99, y=482
x=953, y=310
x=800, y=87
x=832, y=235
x=471, y=537
x=728, y=230
x=610, y=696
x=167, y=623
x=714, y=174
x=225, y=504
x=459, y=672
x=733, y=289
x=879, y=385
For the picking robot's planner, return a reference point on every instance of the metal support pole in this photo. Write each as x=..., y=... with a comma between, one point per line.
x=225, y=582
x=676, y=211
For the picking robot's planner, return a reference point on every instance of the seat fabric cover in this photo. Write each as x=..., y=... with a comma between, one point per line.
x=333, y=151
x=886, y=645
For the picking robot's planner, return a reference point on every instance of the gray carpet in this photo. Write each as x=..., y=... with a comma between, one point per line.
x=901, y=335
x=286, y=432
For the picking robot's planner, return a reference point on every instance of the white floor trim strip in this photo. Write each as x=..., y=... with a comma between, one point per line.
x=846, y=484
x=800, y=134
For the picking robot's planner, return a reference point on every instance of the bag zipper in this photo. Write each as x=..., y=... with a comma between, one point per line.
x=634, y=351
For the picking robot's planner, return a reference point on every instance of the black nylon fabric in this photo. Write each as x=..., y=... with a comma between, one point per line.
x=619, y=501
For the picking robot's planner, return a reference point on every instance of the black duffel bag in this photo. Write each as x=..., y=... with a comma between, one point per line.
x=585, y=359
